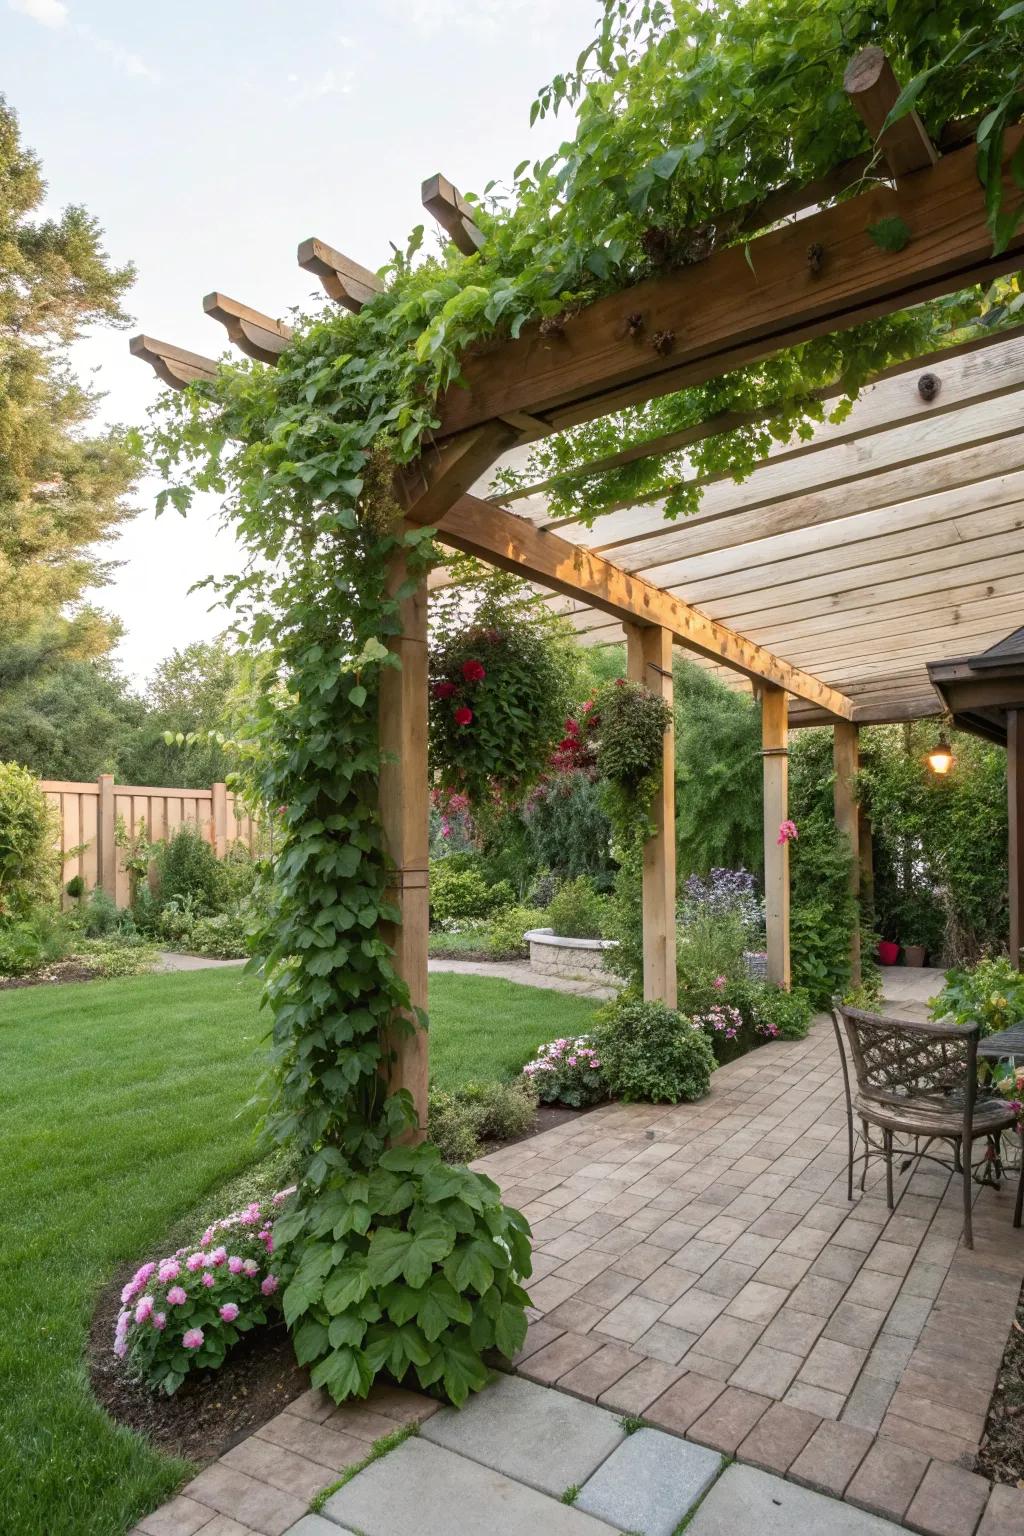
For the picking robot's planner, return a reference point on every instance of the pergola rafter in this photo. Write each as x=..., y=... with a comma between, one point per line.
x=777, y=551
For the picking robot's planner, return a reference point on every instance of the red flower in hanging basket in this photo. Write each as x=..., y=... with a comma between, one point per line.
x=474, y=671
x=463, y=715
x=443, y=690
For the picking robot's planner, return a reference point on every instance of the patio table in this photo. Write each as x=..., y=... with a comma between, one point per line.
x=1008, y=1045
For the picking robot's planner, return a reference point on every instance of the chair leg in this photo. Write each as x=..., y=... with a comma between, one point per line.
x=968, y=1230
x=864, y=1165
x=887, y=1144
x=849, y=1153
x=1019, y=1202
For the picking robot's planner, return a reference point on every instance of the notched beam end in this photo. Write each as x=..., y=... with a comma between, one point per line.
x=342, y=279
x=172, y=365
x=445, y=203
x=254, y=333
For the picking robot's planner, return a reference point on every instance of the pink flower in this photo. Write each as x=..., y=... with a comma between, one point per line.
x=159, y=1321
x=129, y=1292
x=229, y=1312
x=219, y=1257
x=170, y=1269
x=719, y=982
x=250, y=1268
x=209, y=1279
x=193, y=1339
x=235, y=1264
x=787, y=833
x=473, y=671
x=463, y=715
x=269, y=1285
x=177, y=1296
x=143, y=1274
x=195, y=1261
x=144, y=1310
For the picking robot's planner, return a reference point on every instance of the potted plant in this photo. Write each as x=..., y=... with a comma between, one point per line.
x=914, y=954
x=888, y=952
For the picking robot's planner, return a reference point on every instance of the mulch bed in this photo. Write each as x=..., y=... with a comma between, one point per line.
x=63, y=970
x=1001, y=1455
x=212, y=1411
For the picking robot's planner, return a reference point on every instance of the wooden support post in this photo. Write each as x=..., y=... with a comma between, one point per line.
x=1015, y=788
x=220, y=820
x=106, y=829
x=846, y=761
x=873, y=90
x=649, y=661
x=775, y=756
x=405, y=810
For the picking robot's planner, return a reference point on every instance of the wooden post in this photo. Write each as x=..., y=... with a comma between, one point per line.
x=649, y=661
x=106, y=846
x=1015, y=790
x=846, y=761
x=220, y=820
x=775, y=756
x=405, y=812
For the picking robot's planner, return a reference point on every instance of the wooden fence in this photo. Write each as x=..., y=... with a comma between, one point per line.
x=89, y=814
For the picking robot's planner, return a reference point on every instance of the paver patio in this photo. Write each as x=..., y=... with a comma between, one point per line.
x=699, y=1265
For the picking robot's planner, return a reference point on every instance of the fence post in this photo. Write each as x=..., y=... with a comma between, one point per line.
x=106, y=846
x=220, y=820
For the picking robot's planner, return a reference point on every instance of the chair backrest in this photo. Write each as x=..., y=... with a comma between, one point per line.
x=896, y=1059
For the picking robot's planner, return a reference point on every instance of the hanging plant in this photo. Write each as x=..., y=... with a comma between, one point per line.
x=497, y=705
x=631, y=722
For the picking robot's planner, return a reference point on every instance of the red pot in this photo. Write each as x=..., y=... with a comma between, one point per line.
x=888, y=952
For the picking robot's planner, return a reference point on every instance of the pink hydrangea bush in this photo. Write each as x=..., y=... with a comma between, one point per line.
x=720, y=1020
x=185, y=1312
x=569, y=1072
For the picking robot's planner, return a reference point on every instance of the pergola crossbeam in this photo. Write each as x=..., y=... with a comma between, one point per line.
x=255, y=334
x=873, y=91
x=174, y=366
x=447, y=205
x=342, y=279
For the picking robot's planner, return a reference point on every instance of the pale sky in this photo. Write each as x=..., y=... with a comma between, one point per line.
x=210, y=138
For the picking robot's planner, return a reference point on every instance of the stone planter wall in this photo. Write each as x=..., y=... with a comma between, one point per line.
x=577, y=959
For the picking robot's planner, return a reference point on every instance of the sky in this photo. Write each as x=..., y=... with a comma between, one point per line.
x=208, y=139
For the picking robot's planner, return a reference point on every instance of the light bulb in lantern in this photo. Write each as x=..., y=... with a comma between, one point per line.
x=940, y=758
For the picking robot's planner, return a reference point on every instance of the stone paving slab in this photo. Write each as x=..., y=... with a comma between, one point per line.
x=543, y=1438
x=422, y=1489
x=748, y=1502
x=649, y=1483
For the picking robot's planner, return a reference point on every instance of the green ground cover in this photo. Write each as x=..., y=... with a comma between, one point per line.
x=123, y=1104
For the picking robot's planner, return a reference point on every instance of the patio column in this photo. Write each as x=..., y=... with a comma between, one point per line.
x=1015, y=788
x=846, y=761
x=404, y=810
x=649, y=661
x=775, y=757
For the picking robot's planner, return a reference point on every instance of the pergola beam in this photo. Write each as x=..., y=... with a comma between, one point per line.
x=873, y=91
x=447, y=205
x=342, y=279
x=711, y=317
x=173, y=365
x=255, y=334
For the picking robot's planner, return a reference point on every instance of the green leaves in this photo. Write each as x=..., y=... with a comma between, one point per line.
x=890, y=234
x=409, y=1254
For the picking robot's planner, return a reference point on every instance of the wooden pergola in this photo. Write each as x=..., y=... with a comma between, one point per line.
x=821, y=582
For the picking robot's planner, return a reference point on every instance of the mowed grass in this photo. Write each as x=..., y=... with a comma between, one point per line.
x=123, y=1104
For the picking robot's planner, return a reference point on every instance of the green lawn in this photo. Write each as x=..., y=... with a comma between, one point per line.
x=123, y=1104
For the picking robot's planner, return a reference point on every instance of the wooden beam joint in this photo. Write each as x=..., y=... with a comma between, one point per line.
x=873, y=91
x=255, y=334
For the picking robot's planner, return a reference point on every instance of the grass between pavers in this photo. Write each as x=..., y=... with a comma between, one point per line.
x=378, y=1449
x=691, y=1513
x=123, y=1105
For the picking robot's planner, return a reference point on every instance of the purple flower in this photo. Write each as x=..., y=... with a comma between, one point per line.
x=193, y=1339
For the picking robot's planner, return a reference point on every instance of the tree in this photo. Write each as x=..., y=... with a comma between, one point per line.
x=192, y=691
x=62, y=491
x=72, y=722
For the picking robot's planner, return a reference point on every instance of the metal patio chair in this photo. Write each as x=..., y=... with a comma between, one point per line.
x=920, y=1081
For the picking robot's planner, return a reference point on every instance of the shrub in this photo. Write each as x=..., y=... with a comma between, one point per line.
x=728, y=894
x=568, y=1072
x=504, y=936
x=568, y=830
x=990, y=993
x=460, y=1120
x=185, y=1312
x=31, y=942
x=459, y=890
x=654, y=1054
x=576, y=910
x=75, y=887
x=786, y=1015
x=29, y=863
x=224, y=936
x=451, y=1126
x=99, y=915
x=187, y=868
x=118, y=955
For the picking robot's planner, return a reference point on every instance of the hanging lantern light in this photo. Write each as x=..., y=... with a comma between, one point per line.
x=940, y=758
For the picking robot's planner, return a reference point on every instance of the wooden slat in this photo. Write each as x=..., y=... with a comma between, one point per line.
x=255, y=334
x=447, y=205
x=515, y=545
x=173, y=365
x=873, y=90
x=342, y=278
x=721, y=312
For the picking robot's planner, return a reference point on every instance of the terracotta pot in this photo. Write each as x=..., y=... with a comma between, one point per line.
x=888, y=952
x=913, y=954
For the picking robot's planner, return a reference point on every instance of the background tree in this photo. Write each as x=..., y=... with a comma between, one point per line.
x=192, y=691
x=71, y=721
x=62, y=491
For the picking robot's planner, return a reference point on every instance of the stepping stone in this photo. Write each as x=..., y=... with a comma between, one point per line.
x=539, y=1436
x=424, y=1490
x=745, y=1499
x=649, y=1483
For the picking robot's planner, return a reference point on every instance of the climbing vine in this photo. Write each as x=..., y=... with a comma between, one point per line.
x=686, y=115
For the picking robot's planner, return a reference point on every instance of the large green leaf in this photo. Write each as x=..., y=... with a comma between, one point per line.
x=343, y=1373
x=346, y=1285
x=409, y=1254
